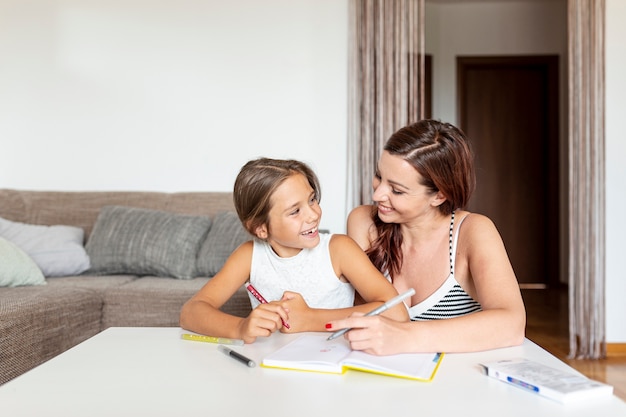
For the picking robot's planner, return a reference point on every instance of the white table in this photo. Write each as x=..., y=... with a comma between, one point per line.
x=153, y=372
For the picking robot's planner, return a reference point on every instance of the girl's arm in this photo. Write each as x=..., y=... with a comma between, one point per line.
x=349, y=261
x=202, y=314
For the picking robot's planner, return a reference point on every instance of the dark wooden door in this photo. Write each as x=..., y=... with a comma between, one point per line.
x=508, y=107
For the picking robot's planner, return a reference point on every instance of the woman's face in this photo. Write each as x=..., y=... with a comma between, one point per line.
x=398, y=191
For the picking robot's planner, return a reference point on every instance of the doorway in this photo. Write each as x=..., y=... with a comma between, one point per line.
x=508, y=107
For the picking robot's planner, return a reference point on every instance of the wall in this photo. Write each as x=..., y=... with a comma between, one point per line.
x=482, y=28
x=171, y=95
x=615, y=170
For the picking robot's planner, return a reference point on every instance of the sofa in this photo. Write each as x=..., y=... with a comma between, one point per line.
x=100, y=259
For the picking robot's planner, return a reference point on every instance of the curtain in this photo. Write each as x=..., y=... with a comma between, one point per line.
x=586, y=179
x=386, y=83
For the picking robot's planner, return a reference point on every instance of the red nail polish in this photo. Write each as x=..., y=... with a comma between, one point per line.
x=329, y=326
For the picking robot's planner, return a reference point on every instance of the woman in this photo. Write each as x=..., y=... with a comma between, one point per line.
x=466, y=295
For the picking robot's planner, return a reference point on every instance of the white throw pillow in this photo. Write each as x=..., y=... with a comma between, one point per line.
x=57, y=250
x=17, y=268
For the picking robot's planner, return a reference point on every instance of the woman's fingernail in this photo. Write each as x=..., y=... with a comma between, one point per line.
x=329, y=326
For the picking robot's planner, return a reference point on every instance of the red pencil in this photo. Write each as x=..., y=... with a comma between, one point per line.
x=261, y=299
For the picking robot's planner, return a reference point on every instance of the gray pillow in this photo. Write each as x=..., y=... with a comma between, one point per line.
x=57, y=250
x=225, y=235
x=130, y=240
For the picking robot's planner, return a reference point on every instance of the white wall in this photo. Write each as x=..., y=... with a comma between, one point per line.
x=615, y=170
x=480, y=28
x=171, y=95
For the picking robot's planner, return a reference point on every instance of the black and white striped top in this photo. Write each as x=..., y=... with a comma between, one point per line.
x=450, y=300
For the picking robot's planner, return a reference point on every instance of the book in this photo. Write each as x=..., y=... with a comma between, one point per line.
x=558, y=385
x=317, y=354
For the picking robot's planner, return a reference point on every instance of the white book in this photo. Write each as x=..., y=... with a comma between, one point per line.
x=315, y=353
x=562, y=386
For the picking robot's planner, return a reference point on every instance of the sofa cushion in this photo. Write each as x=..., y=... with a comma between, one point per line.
x=38, y=323
x=225, y=235
x=95, y=283
x=130, y=240
x=157, y=301
x=57, y=250
x=17, y=268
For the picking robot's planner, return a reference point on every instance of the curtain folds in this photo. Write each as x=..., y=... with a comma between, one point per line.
x=386, y=83
x=586, y=180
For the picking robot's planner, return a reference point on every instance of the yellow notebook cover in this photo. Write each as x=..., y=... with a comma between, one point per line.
x=316, y=354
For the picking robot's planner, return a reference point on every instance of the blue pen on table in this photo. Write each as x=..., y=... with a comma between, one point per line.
x=237, y=356
x=391, y=303
x=212, y=339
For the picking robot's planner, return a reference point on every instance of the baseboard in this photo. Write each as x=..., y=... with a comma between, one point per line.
x=616, y=349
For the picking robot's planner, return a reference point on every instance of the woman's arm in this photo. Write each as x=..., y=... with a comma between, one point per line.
x=202, y=314
x=484, y=269
x=483, y=264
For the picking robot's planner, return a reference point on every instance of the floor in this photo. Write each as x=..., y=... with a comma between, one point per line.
x=547, y=325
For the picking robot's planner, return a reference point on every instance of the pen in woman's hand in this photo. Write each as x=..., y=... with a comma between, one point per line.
x=391, y=303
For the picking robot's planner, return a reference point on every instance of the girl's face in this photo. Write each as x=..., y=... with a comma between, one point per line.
x=293, y=219
x=399, y=193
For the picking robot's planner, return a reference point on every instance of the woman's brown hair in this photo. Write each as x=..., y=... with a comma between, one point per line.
x=442, y=156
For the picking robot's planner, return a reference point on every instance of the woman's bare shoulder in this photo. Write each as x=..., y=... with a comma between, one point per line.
x=477, y=227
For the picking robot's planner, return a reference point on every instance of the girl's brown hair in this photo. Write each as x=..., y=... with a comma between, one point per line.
x=442, y=155
x=256, y=182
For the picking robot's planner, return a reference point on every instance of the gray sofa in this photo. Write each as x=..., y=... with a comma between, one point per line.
x=122, y=286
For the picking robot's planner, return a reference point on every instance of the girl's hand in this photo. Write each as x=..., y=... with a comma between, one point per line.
x=298, y=311
x=262, y=321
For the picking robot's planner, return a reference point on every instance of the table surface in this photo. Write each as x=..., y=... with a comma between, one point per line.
x=153, y=372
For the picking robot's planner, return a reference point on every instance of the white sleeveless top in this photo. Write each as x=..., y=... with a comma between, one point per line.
x=309, y=273
x=449, y=300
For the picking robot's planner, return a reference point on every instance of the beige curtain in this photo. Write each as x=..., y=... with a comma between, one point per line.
x=386, y=79
x=586, y=179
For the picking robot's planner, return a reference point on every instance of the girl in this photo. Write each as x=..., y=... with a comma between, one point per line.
x=312, y=276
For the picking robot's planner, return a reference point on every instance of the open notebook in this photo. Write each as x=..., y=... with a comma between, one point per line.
x=316, y=354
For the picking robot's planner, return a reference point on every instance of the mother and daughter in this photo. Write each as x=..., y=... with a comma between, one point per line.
x=416, y=235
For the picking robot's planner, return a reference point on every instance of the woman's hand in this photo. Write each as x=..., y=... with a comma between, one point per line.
x=377, y=335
